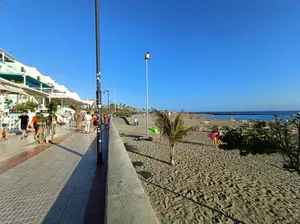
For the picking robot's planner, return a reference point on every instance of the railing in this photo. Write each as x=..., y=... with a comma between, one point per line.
x=8, y=68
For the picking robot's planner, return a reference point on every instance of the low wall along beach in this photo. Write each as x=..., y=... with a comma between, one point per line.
x=126, y=201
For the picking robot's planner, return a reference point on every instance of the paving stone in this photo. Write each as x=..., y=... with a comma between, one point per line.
x=51, y=187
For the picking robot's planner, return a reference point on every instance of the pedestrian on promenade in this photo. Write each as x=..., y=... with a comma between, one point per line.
x=51, y=122
x=88, y=119
x=4, y=125
x=95, y=122
x=24, y=120
x=36, y=126
x=70, y=118
x=106, y=120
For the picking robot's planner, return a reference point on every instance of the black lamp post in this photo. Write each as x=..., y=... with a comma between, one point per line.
x=98, y=80
x=147, y=58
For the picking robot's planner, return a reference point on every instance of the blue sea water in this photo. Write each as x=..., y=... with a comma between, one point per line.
x=247, y=115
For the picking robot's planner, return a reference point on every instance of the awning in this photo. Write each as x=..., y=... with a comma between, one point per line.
x=66, y=99
x=35, y=92
x=19, y=78
x=3, y=88
x=12, y=89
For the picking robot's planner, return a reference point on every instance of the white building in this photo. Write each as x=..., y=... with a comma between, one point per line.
x=20, y=82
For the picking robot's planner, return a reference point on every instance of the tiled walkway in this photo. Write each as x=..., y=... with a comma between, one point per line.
x=61, y=184
x=14, y=146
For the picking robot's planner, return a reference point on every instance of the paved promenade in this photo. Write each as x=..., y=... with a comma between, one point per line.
x=59, y=183
x=14, y=146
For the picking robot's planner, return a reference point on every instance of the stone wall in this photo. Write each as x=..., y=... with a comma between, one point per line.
x=126, y=200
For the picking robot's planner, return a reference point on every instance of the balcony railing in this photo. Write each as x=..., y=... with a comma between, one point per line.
x=8, y=68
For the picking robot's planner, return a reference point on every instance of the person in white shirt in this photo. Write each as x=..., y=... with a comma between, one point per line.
x=135, y=122
x=4, y=125
x=88, y=119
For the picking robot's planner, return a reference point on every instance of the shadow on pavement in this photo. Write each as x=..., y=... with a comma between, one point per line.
x=67, y=149
x=82, y=200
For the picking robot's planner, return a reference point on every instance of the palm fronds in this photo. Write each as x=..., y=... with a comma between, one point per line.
x=174, y=130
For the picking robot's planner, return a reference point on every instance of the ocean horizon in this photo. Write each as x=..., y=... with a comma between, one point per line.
x=246, y=115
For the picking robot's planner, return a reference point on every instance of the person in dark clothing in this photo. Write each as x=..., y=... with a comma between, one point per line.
x=24, y=120
x=36, y=126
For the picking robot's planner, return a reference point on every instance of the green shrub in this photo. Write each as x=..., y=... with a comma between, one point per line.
x=29, y=105
x=250, y=139
x=268, y=137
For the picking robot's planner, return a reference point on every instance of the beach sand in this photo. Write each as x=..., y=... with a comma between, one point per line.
x=210, y=185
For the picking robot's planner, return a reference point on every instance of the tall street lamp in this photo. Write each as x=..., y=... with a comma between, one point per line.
x=98, y=80
x=115, y=90
x=108, y=107
x=147, y=58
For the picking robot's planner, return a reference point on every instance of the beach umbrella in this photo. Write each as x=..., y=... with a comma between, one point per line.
x=154, y=130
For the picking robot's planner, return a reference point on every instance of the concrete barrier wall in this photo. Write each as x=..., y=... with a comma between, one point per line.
x=126, y=201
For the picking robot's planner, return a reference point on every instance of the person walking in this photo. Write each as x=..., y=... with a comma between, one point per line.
x=24, y=120
x=88, y=119
x=36, y=126
x=106, y=121
x=95, y=122
x=70, y=118
x=4, y=125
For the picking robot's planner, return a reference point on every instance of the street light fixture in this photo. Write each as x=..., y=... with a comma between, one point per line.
x=108, y=107
x=98, y=80
x=147, y=58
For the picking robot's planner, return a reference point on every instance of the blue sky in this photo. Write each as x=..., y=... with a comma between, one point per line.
x=212, y=55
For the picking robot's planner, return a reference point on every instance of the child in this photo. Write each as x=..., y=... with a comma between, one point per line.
x=220, y=137
x=4, y=125
x=213, y=138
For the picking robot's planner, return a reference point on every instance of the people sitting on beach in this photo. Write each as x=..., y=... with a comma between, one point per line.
x=213, y=138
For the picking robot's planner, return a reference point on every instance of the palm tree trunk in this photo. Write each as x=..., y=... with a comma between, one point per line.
x=172, y=154
x=41, y=133
x=52, y=131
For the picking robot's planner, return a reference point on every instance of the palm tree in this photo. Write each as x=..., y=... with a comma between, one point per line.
x=173, y=130
x=52, y=106
x=90, y=107
x=78, y=115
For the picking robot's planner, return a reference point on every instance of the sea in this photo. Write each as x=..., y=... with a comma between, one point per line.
x=246, y=115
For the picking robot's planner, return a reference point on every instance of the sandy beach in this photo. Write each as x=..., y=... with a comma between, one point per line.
x=210, y=185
